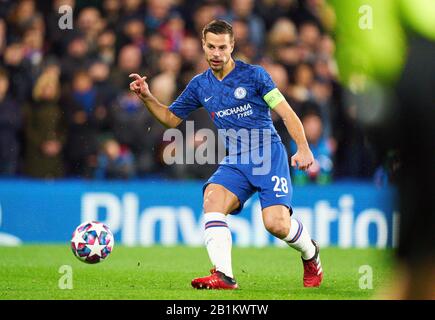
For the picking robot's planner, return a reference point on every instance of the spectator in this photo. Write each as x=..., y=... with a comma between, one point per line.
x=190, y=50
x=244, y=9
x=45, y=128
x=321, y=93
x=174, y=32
x=203, y=15
x=133, y=32
x=326, y=47
x=106, y=44
x=276, y=10
x=21, y=17
x=196, y=12
x=132, y=9
x=114, y=161
x=282, y=45
x=21, y=81
x=135, y=128
x=99, y=72
x=157, y=14
x=33, y=43
x=90, y=24
x=279, y=77
x=283, y=32
x=190, y=53
x=10, y=124
x=112, y=12
x=170, y=62
x=244, y=48
x=320, y=171
x=129, y=61
x=77, y=55
x=157, y=46
x=87, y=118
x=303, y=80
x=161, y=39
x=309, y=35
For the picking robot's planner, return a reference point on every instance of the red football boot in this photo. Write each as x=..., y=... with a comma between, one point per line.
x=217, y=280
x=313, y=273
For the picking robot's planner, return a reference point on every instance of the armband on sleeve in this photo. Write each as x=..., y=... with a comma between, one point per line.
x=273, y=98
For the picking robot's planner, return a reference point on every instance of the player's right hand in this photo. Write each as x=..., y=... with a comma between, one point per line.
x=302, y=159
x=139, y=86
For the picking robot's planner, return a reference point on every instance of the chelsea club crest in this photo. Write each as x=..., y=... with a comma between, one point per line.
x=240, y=93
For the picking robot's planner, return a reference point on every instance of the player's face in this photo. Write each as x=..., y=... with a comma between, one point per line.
x=217, y=49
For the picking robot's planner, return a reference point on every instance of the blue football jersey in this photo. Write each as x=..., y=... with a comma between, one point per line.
x=235, y=103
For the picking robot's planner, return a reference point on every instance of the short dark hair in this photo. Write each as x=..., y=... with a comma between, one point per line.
x=218, y=27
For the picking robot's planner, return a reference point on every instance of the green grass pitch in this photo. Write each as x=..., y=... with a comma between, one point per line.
x=164, y=273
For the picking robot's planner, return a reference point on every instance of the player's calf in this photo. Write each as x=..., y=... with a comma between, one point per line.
x=298, y=238
x=276, y=220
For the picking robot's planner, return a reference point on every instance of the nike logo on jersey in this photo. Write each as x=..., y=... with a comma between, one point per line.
x=280, y=195
x=206, y=99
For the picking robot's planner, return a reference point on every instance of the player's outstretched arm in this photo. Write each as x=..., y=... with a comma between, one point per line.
x=303, y=158
x=157, y=109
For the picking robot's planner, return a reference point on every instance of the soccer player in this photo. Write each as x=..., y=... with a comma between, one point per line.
x=239, y=97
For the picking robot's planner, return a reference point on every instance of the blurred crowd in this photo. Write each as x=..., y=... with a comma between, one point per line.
x=65, y=105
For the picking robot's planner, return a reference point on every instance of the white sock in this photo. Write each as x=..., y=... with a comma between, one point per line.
x=299, y=239
x=218, y=242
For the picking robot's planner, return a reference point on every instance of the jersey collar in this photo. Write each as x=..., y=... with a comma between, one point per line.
x=236, y=64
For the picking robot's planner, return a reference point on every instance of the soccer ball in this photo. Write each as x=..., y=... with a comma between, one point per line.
x=92, y=242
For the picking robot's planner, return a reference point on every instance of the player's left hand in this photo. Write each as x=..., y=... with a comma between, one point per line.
x=303, y=159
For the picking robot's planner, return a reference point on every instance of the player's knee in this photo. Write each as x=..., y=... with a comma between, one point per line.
x=213, y=200
x=278, y=230
x=211, y=203
x=277, y=225
x=216, y=199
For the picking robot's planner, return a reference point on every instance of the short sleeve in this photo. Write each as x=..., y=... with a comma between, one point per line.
x=265, y=83
x=186, y=101
x=267, y=89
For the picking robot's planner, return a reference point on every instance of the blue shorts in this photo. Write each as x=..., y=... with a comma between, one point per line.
x=274, y=185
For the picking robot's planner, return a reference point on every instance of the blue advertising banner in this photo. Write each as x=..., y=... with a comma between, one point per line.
x=146, y=213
